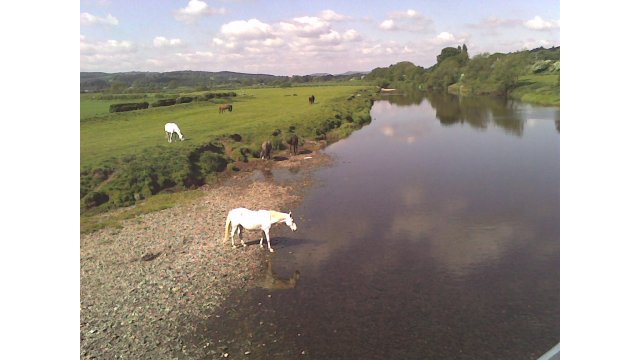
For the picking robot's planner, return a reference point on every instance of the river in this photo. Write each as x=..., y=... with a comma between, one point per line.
x=434, y=235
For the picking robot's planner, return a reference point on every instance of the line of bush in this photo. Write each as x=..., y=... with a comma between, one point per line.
x=128, y=107
x=169, y=102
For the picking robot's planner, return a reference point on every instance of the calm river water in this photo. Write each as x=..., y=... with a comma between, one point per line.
x=435, y=235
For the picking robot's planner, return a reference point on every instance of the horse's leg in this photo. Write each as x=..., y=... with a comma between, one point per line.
x=266, y=232
x=240, y=236
x=261, y=238
x=233, y=232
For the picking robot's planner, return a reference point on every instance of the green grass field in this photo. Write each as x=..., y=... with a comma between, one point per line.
x=538, y=89
x=256, y=114
x=125, y=156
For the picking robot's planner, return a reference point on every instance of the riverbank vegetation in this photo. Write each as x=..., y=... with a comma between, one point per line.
x=528, y=75
x=125, y=156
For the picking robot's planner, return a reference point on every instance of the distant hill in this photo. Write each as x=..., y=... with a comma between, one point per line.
x=153, y=81
x=98, y=81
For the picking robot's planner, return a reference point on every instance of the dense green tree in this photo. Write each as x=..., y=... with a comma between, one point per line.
x=447, y=53
x=508, y=68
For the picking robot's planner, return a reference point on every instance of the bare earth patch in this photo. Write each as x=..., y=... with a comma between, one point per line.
x=140, y=283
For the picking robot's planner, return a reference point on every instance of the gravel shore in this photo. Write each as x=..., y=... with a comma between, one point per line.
x=140, y=283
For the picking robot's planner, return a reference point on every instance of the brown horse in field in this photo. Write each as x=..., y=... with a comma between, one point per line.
x=312, y=99
x=293, y=144
x=224, y=107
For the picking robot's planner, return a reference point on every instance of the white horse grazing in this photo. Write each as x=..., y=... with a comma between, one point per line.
x=240, y=218
x=172, y=128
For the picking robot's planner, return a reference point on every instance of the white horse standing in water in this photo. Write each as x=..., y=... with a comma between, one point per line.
x=240, y=218
x=172, y=128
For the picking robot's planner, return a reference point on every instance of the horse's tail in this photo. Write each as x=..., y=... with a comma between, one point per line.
x=227, y=228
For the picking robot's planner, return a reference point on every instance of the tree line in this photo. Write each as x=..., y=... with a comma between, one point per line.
x=145, y=82
x=492, y=74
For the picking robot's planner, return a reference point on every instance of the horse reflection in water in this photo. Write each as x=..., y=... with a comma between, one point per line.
x=274, y=282
x=242, y=218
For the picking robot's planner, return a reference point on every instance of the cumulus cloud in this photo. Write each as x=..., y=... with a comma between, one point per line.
x=306, y=26
x=90, y=20
x=409, y=20
x=163, y=42
x=444, y=37
x=251, y=29
x=195, y=10
x=538, y=23
x=388, y=25
x=330, y=15
x=109, y=47
x=309, y=35
x=111, y=54
x=300, y=42
x=351, y=35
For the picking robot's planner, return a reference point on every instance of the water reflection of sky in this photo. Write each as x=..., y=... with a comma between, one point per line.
x=441, y=216
x=469, y=197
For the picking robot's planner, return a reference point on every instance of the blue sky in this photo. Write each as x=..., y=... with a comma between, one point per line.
x=302, y=37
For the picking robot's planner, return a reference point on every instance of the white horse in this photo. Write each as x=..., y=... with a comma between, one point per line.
x=172, y=128
x=240, y=218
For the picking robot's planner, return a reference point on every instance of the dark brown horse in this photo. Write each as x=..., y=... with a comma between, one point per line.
x=224, y=107
x=312, y=99
x=293, y=144
x=265, y=153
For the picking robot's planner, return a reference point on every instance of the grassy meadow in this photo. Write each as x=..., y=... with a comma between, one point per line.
x=125, y=156
x=256, y=114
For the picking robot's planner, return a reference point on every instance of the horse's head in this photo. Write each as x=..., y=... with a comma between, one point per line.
x=290, y=223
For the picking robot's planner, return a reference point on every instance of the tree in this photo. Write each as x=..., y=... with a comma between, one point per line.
x=447, y=53
x=507, y=69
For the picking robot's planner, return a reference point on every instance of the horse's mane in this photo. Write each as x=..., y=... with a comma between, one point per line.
x=278, y=215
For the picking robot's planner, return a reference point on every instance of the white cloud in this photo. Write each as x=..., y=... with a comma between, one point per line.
x=306, y=26
x=333, y=37
x=538, y=23
x=162, y=42
x=301, y=42
x=89, y=20
x=351, y=35
x=251, y=29
x=195, y=10
x=330, y=15
x=109, y=47
x=409, y=20
x=410, y=14
x=444, y=37
x=113, y=55
x=388, y=25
